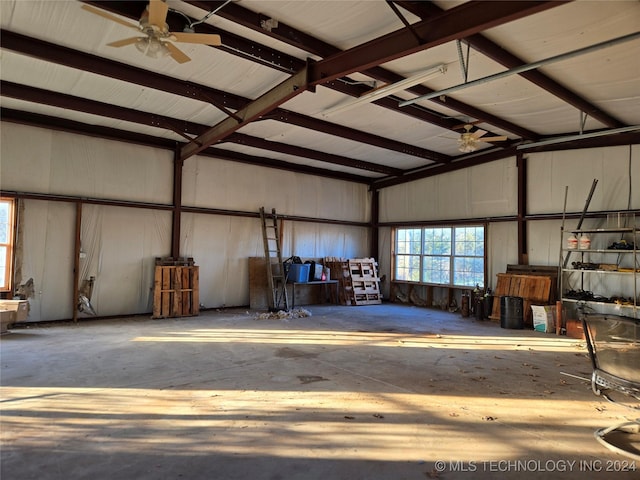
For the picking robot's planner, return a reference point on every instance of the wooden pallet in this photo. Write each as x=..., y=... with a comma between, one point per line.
x=339, y=270
x=365, y=281
x=358, y=282
x=176, y=291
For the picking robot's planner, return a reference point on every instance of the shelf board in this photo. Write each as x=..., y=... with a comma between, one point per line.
x=585, y=270
x=607, y=230
x=597, y=250
x=592, y=302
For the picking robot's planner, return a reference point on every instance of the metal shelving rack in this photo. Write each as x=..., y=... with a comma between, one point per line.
x=627, y=266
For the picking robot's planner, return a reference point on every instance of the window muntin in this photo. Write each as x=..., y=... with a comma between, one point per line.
x=441, y=255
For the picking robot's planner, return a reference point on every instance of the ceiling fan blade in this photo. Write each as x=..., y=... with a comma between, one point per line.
x=158, y=10
x=203, y=38
x=478, y=133
x=177, y=54
x=494, y=139
x=124, y=42
x=108, y=16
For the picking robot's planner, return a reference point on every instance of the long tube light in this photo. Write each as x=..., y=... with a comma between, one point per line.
x=570, y=138
x=387, y=90
x=523, y=68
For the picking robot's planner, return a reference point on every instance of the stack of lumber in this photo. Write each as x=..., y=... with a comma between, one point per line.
x=358, y=281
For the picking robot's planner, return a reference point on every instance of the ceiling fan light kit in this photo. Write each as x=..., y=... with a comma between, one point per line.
x=467, y=143
x=468, y=140
x=152, y=47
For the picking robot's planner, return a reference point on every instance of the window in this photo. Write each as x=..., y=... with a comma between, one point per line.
x=441, y=255
x=6, y=242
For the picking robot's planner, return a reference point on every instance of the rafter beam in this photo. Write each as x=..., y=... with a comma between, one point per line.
x=242, y=139
x=456, y=23
x=70, y=102
x=220, y=99
x=497, y=53
x=59, y=124
x=282, y=92
x=621, y=139
x=69, y=57
x=287, y=34
x=78, y=104
x=233, y=44
x=467, y=19
x=324, y=126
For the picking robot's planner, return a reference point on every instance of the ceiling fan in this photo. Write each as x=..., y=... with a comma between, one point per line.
x=157, y=40
x=468, y=140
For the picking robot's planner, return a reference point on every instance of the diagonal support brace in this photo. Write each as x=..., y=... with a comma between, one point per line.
x=286, y=90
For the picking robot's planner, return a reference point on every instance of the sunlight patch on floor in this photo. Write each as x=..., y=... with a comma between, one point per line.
x=551, y=343
x=322, y=424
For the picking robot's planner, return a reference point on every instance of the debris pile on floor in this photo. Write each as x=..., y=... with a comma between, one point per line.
x=296, y=313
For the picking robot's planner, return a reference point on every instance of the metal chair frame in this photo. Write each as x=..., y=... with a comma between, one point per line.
x=605, y=379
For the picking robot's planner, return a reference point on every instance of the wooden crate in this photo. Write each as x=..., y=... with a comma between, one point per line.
x=176, y=291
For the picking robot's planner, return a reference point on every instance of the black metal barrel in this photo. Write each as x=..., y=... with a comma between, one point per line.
x=511, y=312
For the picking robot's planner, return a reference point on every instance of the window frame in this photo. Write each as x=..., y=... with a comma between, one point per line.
x=7, y=285
x=450, y=254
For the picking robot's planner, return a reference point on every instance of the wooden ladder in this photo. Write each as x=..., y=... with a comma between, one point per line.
x=276, y=277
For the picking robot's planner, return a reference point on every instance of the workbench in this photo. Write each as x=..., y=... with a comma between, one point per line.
x=326, y=283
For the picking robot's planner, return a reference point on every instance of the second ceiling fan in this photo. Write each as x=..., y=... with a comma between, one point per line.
x=157, y=40
x=468, y=140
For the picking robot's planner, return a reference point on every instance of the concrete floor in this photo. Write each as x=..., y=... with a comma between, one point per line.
x=376, y=392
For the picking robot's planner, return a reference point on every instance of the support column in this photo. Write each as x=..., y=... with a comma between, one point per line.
x=76, y=261
x=178, y=163
x=521, y=163
x=375, y=220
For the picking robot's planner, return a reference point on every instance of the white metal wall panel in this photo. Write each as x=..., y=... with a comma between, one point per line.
x=124, y=262
x=44, y=161
x=617, y=169
x=213, y=183
x=47, y=232
x=482, y=191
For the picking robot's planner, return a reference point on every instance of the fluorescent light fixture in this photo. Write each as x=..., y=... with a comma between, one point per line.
x=570, y=138
x=387, y=90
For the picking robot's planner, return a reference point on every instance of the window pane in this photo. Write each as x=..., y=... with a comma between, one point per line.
x=408, y=241
x=4, y=222
x=437, y=241
x=469, y=241
x=3, y=266
x=468, y=271
x=408, y=268
x=436, y=270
